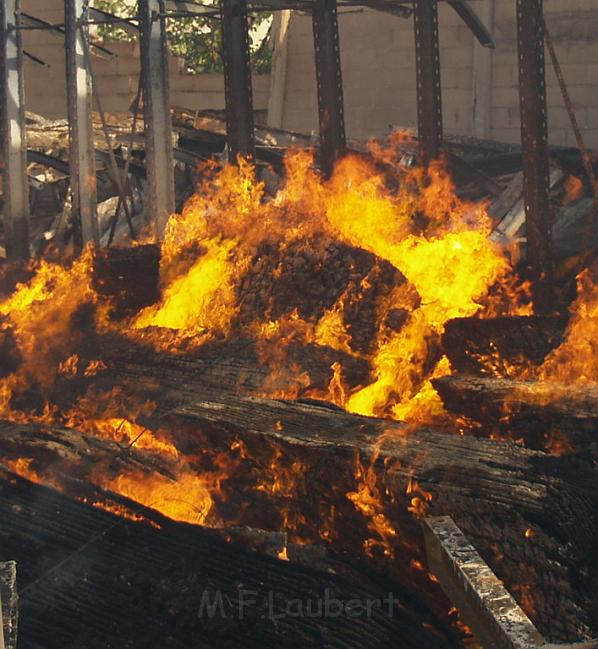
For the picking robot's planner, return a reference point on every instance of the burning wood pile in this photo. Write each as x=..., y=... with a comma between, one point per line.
x=264, y=409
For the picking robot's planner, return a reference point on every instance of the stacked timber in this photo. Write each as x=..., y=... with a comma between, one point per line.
x=91, y=578
x=532, y=518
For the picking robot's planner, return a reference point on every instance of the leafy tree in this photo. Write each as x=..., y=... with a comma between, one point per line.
x=196, y=39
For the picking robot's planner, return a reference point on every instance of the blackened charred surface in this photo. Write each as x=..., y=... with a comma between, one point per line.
x=311, y=276
x=501, y=346
x=132, y=585
x=235, y=367
x=9, y=351
x=544, y=415
x=493, y=490
x=128, y=276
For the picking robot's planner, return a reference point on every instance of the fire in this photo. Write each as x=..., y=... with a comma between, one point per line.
x=22, y=467
x=367, y=499
x=577, y=357
x=47, y=316
x=187, y=499
x=331, y=330
x=451, y=266
x=129, y=433
x=122, y=512
x=219, y=259
x=420, y=499
x=200, y=301
x=439, y=243
x=281, y=481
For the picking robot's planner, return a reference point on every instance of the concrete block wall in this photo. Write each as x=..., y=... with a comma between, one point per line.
x=117, y=78
x=378, y=66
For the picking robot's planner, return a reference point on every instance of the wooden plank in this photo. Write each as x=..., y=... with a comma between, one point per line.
x=532, y=410
x=91, y=578
x=483, y=602
x=494, y=490
x=8, y=605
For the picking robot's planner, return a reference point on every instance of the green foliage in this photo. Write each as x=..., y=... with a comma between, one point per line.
x=197, y=40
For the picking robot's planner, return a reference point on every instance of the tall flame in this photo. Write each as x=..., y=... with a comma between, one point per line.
x=408, y=221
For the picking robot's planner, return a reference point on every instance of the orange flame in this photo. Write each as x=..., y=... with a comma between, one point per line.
x=577, y=357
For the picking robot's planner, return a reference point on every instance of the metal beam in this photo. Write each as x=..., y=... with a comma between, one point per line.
x=534, y=140
x=427, y=64
x=481, y=77
x=82, y=158
x=122, y=23
x=329, y=82
x=13, y=134
x=33, y=23
x=156, y=107
x=472, y=19
x=238, y=91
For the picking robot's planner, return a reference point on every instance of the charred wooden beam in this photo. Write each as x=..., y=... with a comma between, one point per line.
x=484, y=603
x=495, y=491
x=8, y=605
x=90, y=577
x=500, y=346
x=532, y=410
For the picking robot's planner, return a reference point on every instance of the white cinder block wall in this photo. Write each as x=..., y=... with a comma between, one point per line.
x=480, y=94
x=45, y=88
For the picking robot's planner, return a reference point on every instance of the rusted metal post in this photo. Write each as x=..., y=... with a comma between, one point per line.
x=329, y=83
x=238, y=92
x=12, y=128
x=427, y=66
x=534, y=141
x=79, y=99
x=156, y=107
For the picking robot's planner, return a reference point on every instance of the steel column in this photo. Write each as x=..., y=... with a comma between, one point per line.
x=79, y=98
x=329, y=82
x=429, y=94
x=238, y=92
x=156, y=107
x=13, y=135
x=534, y=141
